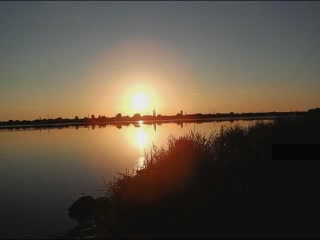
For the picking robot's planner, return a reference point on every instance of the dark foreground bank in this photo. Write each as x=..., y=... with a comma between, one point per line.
x=225, y=185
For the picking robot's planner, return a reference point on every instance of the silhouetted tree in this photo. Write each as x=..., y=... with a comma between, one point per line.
x=118, y=115
x=137, y=116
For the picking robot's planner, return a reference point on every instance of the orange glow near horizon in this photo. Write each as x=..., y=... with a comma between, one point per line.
x=138, y=75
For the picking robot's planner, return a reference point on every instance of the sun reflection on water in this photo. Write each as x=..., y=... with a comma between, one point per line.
x=141, y=139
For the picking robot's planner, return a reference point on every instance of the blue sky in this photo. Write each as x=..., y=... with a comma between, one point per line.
x=198, y=56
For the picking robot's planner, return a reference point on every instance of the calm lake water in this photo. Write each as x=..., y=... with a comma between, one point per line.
x=44, y=171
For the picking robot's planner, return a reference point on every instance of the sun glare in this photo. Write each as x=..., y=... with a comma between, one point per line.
x=140, y=102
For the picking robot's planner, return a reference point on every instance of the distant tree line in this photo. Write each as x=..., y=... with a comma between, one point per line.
x=136, y=117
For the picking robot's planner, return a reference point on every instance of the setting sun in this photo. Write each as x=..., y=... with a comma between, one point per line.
x=140, y=102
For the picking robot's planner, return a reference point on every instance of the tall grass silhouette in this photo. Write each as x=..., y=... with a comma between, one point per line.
x=224, y=184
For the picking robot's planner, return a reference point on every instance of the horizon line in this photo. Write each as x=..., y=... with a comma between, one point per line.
x=158, y=115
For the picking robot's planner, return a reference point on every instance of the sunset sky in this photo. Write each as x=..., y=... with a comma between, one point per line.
x=62, y=59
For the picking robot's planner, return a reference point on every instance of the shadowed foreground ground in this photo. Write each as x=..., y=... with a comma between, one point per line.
x=225, y=185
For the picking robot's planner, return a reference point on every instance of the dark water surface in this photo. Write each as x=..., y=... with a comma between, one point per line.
x=44, y=171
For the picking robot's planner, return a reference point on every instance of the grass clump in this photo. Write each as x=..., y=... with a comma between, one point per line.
x=225, y=184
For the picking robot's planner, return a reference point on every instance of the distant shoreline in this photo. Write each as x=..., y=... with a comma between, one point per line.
x=135, y=122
